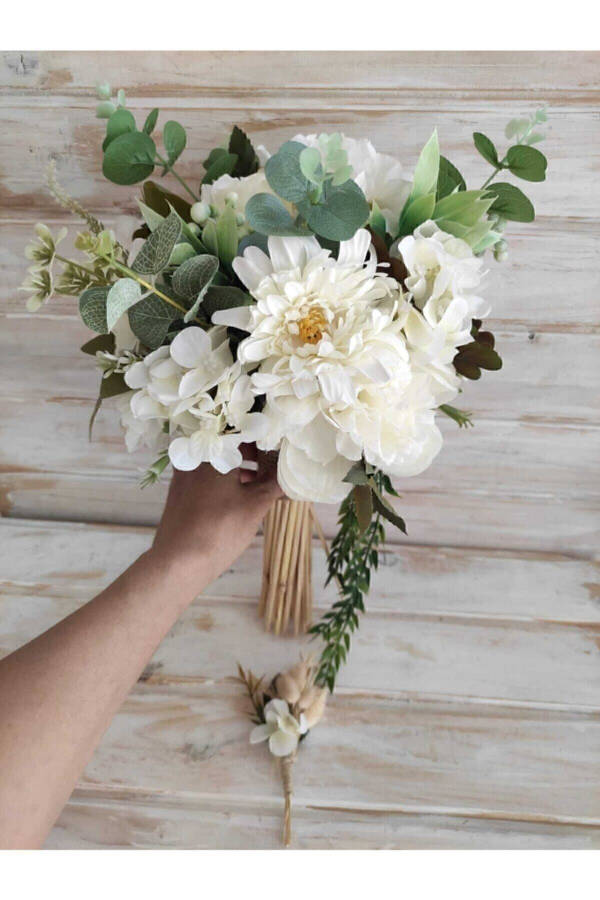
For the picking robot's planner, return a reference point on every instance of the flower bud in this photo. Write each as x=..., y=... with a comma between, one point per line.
x=239, y=219
x=103, y=90
x=287, y=688
x=195, y=229
x=231, y=199
x=200, y=212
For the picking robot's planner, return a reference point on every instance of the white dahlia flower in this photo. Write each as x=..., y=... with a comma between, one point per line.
x=379, y=176
x=326, y=337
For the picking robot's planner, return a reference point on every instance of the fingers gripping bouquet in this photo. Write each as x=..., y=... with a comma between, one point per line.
x=316, y=302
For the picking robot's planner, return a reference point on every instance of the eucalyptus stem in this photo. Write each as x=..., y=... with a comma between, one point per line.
x=181, y=181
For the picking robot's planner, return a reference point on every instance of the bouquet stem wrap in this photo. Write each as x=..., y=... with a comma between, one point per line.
x=286, y=596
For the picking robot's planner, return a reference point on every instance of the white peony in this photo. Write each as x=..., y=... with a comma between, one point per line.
x=235, y=191
x=379, y=176
x=333, y=364
x=281, y=729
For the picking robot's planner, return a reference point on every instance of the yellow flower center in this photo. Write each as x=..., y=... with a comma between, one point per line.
x=311, y=327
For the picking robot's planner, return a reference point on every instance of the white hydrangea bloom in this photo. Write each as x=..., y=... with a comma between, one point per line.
x=380, y=177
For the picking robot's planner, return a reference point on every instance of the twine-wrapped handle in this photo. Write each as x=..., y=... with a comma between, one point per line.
x=286, y=764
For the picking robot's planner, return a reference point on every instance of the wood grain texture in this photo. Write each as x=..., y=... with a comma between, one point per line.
x=468, y=716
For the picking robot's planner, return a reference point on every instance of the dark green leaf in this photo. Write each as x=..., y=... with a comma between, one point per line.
x=511, y=203
x=527, y=163
x=449, y=178
x=388, y=512
x=112, y=386
x=357, y=474
x=267, y=214
x=150, y=123
x=129, y=158
x=284, y=173
x=121, y=122
x=224, y=164
x=195, y=274
x=255, y=239
x=363, y=500
x=161, y=201
x=150, y=320
x=174, y=139
x=217, y=298
x=104, y=342
x=247, y=160
x=486, y=148
x=92, y=308
x=156, y=251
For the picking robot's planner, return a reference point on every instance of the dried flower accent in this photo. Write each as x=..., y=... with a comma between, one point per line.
x=42, y=251
x=283, y=715
x=39, y=284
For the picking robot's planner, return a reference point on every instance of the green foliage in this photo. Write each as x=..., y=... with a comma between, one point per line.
x=326, y=163
x=154, y=255
x=224, y=297
x=486, y=148
x=155, y=470
x=123, y=294
x=511, y=203
x=267, y=215
x=471, y=358
x=449, y=179
x=240, y=145
x=150, y=123
x=354, y=554
x=92, y=308
x=427, y=169
x=462, y=418
x=111, y=386
x=129, y=158
x=174, y=139
x=220, y=162
x=363, y=504
x=227, y=236
x=415, y=213
x=194, y=275
x=377, y=221
x=163, y=202
x=150, y=320
x=102, y=342
x=526, y=162
x=284, y=173
x=342, y=210
x=120, y=122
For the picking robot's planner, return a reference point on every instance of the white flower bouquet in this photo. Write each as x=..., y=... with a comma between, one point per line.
x=316, y=302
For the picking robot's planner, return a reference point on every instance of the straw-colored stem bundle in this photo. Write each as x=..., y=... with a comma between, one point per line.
x=286, y=597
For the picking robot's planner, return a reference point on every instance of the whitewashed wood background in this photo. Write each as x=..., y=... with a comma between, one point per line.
x=469, y=714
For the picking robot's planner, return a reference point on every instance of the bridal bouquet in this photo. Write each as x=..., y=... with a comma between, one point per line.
x=315, y=301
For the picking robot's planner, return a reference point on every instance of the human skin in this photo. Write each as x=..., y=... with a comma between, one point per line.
x=59, y=693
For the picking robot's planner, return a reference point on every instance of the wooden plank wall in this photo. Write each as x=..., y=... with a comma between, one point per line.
x=469, y=715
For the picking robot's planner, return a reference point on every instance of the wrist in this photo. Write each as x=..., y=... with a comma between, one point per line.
x=182, y=575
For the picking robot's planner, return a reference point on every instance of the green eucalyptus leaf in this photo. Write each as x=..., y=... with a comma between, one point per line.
x=526, y=162
x=150, y=123
x=449, y=179
x=240, y=145
x=92, y=308
x=154, y=255
x=224, y=164
x=227, y=235
x=150, y=320
x=174, y=139
x=310, y=165
x=427, y=168
x=123, y=294
x=511, y=203
x=217, y=298
x=516, y=128
x=341, y=213
x=385, y=509
x=357, y=474
x=121, y=122
x=194, y=275
x=129, y=158
x=151, y=218
x=284, y=172
x=486, y=148
x=267, y=214
x=254, y=239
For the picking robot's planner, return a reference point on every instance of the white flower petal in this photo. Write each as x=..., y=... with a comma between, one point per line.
x=182, y=456
x=292, y=252
x=252, y=267
x=238, y=317
x=282, y=744
x=261, y=733
x=190, y=347
x=304, y=479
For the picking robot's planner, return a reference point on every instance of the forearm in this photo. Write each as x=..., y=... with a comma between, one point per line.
x=59, y=693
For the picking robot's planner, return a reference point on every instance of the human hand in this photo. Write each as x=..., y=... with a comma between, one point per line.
x=209, y=519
